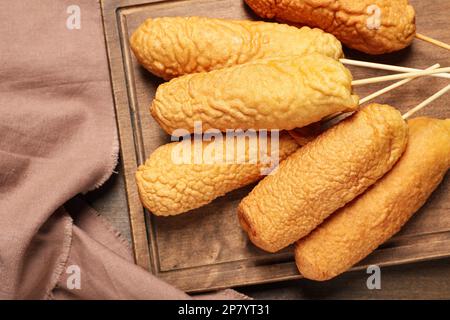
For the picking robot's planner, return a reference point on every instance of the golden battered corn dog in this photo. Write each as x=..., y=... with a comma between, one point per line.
x=172, y=46
x=169, y=188
x=278, y=93
x=361, y=226
x=371, y=26
x=323, y=176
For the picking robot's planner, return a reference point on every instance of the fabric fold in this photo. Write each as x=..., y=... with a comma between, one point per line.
x=58, y=139
x=57, y=134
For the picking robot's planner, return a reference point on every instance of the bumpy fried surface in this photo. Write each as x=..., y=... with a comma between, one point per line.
x=168, y=188
x=323, y=176
x=278, y=93
x=347, y=20
x=173, y=46
x=361, y=226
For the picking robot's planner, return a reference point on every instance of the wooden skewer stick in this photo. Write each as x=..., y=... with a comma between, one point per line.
x=405, y=116
x=380, y=92
x=392, y=86
x=388, y=67
x=433, y=41
x=399, y=76
x=426, y=102
x=332, y=116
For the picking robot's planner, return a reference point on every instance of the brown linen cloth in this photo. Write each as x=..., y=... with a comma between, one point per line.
x=58, y=139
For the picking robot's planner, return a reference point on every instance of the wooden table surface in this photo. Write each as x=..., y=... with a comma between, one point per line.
x=426, y=280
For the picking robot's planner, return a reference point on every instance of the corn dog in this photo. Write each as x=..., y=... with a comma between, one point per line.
x=323, y=176
x=278, y=93
x=172, y=46
x=361, y=226
x=169, y=188
x=371, y=26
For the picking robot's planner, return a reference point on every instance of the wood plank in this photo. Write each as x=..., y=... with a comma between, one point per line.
x=126, y=138
x=175, y=247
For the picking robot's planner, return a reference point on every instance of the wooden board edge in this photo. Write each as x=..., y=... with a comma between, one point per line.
x=136, y=214
x=217, y=278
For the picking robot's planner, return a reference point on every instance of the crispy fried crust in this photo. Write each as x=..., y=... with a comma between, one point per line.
x=278, y=93
x=173, y=46
x=323, y=176
x=347, y=20
x=168, y=188
x=361, y=226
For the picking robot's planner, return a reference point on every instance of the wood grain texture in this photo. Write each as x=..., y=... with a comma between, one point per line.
x=174, y=248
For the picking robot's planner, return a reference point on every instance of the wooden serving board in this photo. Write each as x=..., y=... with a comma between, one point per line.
x=206, y=249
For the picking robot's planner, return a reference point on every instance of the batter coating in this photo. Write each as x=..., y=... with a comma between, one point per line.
x=354, y=22
x=169, y=188
x=323, y=176
x=278, y=93
x=172, y=46
x=357, y=229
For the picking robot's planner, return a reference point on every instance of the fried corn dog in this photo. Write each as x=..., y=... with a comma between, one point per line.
x=172, y=46
x=169, y=188
x=323, y=176
x=361, y=226
x=278, y=93
x=371, y=26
